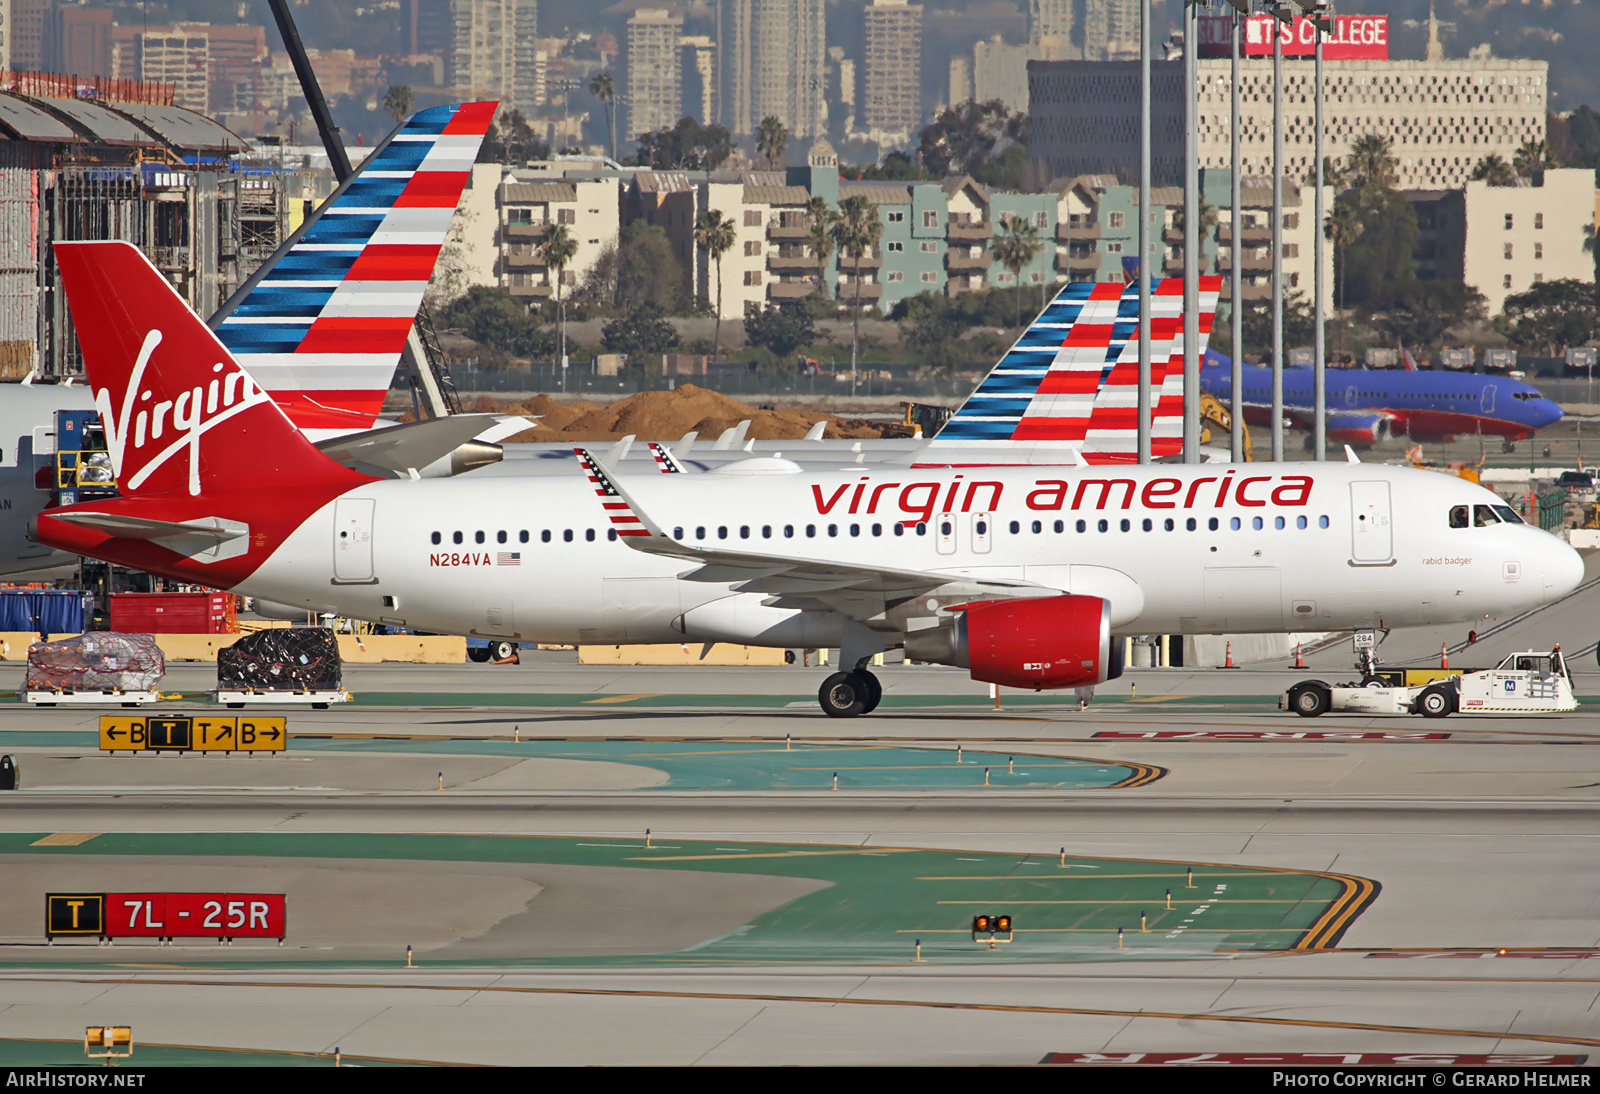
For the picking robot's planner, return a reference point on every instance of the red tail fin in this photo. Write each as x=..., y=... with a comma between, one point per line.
x=180, y=415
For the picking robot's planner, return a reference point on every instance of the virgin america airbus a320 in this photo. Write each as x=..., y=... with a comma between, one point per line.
x=1020, y=574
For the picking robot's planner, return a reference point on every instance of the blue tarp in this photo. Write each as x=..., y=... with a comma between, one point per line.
x=45, y=611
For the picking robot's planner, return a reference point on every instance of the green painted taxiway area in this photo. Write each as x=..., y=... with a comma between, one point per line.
x=730, y=765
x=27, y=1052
x=873, y=906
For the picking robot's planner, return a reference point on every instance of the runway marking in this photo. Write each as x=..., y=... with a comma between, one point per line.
x=619, y=699
x=399, y=1060
x=774, y=854
x=65, y=839
x=854, y=1001
x=1121, y=877
x=943, y=767
x=1097, y=930
x=1158, y=699
x=1140, y=903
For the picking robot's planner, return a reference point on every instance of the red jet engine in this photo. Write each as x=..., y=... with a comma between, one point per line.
x=1040, y=642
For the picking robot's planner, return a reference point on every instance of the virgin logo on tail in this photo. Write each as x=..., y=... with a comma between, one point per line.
x=188, y=416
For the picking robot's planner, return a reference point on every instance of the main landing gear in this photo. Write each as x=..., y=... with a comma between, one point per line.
x=847, y=694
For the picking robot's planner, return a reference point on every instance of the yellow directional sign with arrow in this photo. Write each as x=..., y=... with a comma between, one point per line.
x=193, y=733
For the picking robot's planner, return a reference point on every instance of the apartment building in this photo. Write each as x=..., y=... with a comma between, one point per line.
x=1505, y=239
x=1097, y=233
x=528, y=202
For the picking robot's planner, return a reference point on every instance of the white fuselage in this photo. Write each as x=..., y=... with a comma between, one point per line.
x=1338, y=546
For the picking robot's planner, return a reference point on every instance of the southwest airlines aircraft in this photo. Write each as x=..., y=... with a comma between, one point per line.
x=1366, y=405
x=1019, y=574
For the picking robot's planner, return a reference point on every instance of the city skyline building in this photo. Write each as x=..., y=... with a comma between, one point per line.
x=771, y=63
x=654, y=95
x=891, y=101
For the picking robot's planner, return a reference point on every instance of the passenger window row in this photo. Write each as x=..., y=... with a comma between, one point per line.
x=546, y=536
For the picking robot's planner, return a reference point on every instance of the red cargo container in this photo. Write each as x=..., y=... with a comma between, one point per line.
x=173, y=613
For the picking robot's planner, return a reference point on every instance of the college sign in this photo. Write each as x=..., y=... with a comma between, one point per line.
x=1354, y=37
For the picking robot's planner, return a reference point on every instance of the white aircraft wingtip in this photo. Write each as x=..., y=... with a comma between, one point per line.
x=1350, y=455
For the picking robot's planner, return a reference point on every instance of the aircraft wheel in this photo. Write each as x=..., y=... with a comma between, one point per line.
x=1436, y=702
x=1370, y=681
x=1507, y=446
x=499, y=651
x=871, y=688
x=479, y=654
x=1309, y=700
x=842, y=695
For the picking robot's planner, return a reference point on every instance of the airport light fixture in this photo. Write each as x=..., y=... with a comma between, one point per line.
x=1143, y=412
x=988, y=929
x=1191, y=234
x=1235, y=256
x=1282, y=14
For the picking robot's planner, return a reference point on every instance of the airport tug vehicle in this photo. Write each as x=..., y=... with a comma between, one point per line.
x=1531, y=682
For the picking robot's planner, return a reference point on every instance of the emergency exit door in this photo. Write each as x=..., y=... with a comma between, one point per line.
x=1371, y=533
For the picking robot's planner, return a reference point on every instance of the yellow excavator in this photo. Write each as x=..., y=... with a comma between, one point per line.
x=1213, y=413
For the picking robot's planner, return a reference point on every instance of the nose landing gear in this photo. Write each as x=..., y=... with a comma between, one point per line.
x=847, y=694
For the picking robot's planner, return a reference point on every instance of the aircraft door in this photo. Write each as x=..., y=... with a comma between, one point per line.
x=1372, y=536
x=982, y=532
x=944, y=529
x=1486, y=400
x=352, y=541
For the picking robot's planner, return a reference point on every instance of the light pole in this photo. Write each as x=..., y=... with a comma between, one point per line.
x=561, y=312
x=1191, y=238
x=1322, y=17
x=1281, y=16
x=1236, y=261
x=1144, y=232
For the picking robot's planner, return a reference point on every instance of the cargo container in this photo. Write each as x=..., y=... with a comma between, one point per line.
x=174, y=613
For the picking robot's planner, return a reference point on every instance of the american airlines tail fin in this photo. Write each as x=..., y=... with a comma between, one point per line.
x=323, y=328
x=1072, y=379
x=181, y=417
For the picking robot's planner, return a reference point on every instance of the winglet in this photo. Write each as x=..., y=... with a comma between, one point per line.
x=665, y=461
x=815, y=432
x=1350, y=455
x=626, y=518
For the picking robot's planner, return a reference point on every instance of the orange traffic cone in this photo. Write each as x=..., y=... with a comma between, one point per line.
x=1299, y=661
x=1444, y=656
x=1228, y=664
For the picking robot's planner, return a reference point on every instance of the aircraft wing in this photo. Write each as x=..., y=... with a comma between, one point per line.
x=859, y=592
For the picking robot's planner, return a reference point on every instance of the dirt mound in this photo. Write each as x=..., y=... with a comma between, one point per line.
x=668, y=415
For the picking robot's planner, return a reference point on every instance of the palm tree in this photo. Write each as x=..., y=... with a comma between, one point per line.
x=771, y=139
x=856, y=230
x=1015, y=249
x=1535, y=156
x=820, y=241
x=1495, y=171
x=604, y=88
x=1372, y=165
x=397, y=101
x=556, y=250
x=1342, y=227
x=717, y=234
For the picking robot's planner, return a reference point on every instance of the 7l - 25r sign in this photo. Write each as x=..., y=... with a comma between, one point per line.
x=223, y=916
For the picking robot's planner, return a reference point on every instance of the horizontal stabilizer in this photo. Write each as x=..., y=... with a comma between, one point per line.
x=416, y=445
x=128, y=527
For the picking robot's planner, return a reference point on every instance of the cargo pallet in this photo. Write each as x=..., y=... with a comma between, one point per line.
x=238, y=699
x=106, y=697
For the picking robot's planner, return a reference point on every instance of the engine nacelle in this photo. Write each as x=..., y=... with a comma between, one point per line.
x=1038, y=642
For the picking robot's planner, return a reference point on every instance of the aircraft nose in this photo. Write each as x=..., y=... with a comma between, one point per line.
x=1561, y=569
x=1549, y=413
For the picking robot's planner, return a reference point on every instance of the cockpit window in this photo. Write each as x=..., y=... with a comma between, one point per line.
x=1525, y=395
x=1508, y=514
x=1483, y=516
x=1458, y=516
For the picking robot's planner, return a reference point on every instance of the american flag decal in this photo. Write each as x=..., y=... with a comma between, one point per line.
x=508, y=558
x=622, y=517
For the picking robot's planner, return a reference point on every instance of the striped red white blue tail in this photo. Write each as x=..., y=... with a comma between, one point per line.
x=1072, y=378
x=322, y=331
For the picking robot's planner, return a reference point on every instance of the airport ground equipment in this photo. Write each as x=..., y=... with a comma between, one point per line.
x=95, y=667
x=1531, y=682
x=282, y=665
